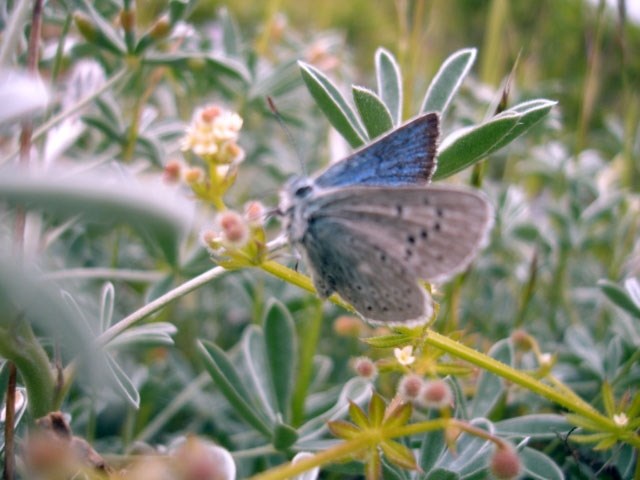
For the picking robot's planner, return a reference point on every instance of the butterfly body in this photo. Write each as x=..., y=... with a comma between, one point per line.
x=369, y=227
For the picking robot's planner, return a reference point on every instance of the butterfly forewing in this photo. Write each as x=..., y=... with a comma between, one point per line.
x=405, y=156
x=362, y=273
x=433, y=232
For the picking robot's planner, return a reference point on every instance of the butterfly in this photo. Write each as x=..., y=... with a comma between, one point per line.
x=370, y=227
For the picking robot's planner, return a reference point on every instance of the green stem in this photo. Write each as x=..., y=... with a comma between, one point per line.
x=299, y=280
x=557, y=395
x=159, y=303
x=20, y=345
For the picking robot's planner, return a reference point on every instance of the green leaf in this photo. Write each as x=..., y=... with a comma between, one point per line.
x=530, y=112
x=447, y=81
x=377, y=408
x=279, y=80
x=283, y=436
x=107, y=36
x=388, y=341
x=107, y=298
x=582, y=344
x=255, y=358
x=216, y=63
x=123, y=383
x=282, y=352
x=374, y=114
x=105, y=127
x=356, y=390
x=619, y=297
x=389, y=83
x=177, y=9
x=399, y=416
x=537, y=426
x=471, y=452
x=27, y=300
x=536, y=465
x=153, y=334
x=467, y=146
x=398, y=454
x=228, y=381
x=442, y=474
x=358, y=416
x=333, y=105
x=152, y=209
x=343, y=429
x=432, y=446
x=230, y=33
x=490, y=388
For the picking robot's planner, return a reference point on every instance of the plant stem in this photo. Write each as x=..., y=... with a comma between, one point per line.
x=299, y=280
x=557, y=395
x=159, y=303
x=9, y=421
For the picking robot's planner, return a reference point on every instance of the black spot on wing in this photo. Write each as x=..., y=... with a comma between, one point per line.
x=345, y=261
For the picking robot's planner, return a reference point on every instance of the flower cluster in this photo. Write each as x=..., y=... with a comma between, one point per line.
x=212, y=136
x=240, y=237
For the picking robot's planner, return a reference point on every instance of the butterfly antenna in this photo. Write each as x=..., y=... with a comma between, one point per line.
x=276, y=113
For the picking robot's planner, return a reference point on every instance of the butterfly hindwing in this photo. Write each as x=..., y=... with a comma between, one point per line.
x=405, y=156
x=433, y=232
x=363, y=274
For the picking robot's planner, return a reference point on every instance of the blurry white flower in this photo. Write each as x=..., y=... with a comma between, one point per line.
x=621, y=419
x=214, y=131
x=405, y=355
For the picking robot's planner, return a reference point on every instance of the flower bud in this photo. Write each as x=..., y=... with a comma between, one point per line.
x=254, y=213
x=410, y=387
x=234, y=229
x=365, y=367
x=199, y=460
x=505, y=463
x=436, y=394
x=172, y=171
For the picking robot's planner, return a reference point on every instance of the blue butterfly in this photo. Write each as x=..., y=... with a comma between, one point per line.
x=370, y=228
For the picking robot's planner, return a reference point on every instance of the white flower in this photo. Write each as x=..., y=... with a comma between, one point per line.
x=213, y=130
x=621, y=419
x=404, y=355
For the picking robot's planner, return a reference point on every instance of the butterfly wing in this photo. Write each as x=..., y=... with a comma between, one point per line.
x=432, y=232
x=405, y=156
x=345, y=261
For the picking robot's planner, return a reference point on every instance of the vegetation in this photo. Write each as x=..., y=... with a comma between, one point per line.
x=147, y=294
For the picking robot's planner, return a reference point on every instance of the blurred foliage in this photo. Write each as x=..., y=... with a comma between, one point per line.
x=107, y=259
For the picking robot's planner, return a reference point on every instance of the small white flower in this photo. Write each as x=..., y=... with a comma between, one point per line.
x=545, y=359
x=212, y=131
x=621, y=419
x=404, y=355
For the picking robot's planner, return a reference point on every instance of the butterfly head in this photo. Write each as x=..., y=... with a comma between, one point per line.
x=292, y=205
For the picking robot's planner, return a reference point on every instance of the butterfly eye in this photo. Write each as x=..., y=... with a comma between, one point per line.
x=302, y=191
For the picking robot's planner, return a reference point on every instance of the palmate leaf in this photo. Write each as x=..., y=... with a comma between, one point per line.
x=374, y=113
x=447, y=81
x=282, y=353
x=152, y=210
x=333, y=105
x=464, y=147
x=490, y=388
x=389, y=80
x=228, y=380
